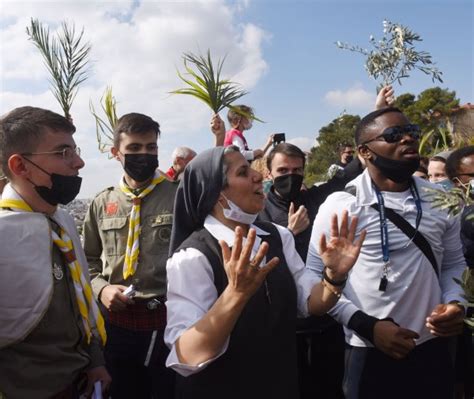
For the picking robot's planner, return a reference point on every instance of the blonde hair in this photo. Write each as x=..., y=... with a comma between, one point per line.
x=260, y=165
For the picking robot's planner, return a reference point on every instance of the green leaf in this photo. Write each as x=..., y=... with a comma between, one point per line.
x=208, y=86
x=66, y=57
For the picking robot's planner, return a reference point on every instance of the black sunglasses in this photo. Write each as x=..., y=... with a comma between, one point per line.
x=394, y=134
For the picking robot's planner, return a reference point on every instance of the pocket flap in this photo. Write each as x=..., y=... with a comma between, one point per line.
x=113, y=223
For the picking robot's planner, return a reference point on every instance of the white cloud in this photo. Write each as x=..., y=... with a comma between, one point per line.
x=354, y=98
x=304, y=143
x=136, y=48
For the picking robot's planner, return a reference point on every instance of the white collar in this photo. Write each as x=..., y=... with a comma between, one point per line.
x=221, y=232
x=366, y=196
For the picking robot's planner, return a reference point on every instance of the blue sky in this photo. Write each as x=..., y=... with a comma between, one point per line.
x=283, y=53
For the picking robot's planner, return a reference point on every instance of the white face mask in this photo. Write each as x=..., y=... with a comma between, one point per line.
x=236, y=214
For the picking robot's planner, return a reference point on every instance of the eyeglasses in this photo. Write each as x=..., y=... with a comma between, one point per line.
x=67, y=153
x=394, y=134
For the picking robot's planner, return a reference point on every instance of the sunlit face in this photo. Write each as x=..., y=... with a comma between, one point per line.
x=404, y=150
x=436, y=171
x=244, y=187
x=48, y=155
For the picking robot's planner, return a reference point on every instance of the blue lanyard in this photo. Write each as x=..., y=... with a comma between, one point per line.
x=384, y=230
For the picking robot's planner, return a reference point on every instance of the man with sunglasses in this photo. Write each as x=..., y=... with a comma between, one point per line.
x=50, y=326
x=400, y=303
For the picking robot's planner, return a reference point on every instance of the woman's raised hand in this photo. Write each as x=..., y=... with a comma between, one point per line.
x=245, y=275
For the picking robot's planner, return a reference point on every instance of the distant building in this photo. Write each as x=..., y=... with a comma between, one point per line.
x=461, y=123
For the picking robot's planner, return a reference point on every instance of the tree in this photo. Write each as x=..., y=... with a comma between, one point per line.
x=430, y=110
x=339, y=131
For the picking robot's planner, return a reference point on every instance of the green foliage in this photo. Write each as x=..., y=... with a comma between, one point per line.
x=430, y=109
x=105, y=127
x=339, y=131
x=208, y=85
x=394, y=55
x=66, y=57
x=454, y=201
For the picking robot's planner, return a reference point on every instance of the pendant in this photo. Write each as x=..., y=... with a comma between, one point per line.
x=383, y=283
x=58, y=272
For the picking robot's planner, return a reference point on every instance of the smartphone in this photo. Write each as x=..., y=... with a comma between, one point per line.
x=278, y=138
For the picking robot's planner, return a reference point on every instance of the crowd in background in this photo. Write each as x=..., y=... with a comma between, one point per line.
x=226, y=276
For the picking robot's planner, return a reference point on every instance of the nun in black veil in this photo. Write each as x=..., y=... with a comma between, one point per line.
x=236, y=285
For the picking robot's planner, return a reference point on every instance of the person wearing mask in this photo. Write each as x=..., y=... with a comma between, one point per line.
x=400, y=304
x=51, y=329
x=240, y=118
x=437, y=170
x=126, y=240
x=234, y=284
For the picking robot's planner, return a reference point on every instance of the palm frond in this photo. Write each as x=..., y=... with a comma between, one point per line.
x=105, y=127
x=205, y=82
x=66, y=58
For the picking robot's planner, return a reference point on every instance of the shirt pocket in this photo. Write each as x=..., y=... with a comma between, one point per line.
x=158, y=234
x=114, y=233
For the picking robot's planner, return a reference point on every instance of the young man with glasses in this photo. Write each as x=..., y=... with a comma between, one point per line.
x=400, y=302
x=50, y=325
x=126, y=240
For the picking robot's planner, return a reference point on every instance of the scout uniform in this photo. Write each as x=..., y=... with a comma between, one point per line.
x=43, y=341
x=109, y=243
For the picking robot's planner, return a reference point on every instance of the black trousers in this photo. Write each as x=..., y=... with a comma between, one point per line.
x=427, y=372
x=320, y=358
x=126, y=352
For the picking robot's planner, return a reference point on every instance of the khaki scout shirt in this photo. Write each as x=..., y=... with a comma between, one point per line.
x=105, y=239
x=53, y=355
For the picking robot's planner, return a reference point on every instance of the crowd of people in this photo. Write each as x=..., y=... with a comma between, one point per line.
x=201, y=283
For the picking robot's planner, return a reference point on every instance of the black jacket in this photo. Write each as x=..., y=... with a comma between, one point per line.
x=276, y=208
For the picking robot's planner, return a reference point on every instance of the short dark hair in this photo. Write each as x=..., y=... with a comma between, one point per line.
x=343, y=146
x=237, y=112
x=134, y=123
x=438, y=159
x=454, y=160
x=287, y=149
x=369, y=120
x=22, y=128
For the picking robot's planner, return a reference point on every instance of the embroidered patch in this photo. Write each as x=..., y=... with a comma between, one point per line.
x=111, y=208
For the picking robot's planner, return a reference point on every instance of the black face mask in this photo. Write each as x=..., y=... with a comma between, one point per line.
x=349, y=158
x=63, y=190
x=140, y=167
x=397, y=171
x=288, y=186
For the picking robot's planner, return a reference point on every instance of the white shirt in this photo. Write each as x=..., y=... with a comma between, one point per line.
x=191, y=289
x=413, y=288
x=238, y=142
